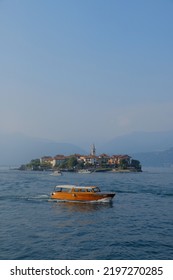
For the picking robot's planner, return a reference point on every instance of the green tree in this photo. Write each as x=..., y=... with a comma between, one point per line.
x=63, y=164
x=123, y=164
x=34, y=164
x=136, y=164
x=72, y=162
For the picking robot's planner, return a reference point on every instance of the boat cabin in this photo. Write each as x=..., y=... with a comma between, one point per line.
x=77, y=189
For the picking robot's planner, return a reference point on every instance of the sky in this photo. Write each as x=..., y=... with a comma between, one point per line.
x=85, y=71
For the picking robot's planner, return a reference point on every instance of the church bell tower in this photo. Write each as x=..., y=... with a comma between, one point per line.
x=93, y=150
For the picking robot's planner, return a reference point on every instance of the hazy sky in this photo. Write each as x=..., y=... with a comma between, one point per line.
x=85, y=70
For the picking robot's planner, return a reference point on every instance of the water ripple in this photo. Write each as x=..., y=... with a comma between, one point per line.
x=138, y=224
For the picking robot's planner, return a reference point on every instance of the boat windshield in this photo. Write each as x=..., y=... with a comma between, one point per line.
x=96, y=189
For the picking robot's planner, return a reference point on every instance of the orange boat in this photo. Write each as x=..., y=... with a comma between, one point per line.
x=81, y=194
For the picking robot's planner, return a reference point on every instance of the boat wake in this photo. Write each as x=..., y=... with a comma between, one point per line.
x=100, y=201
x=41, y=197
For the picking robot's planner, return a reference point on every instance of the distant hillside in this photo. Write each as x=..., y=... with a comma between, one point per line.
x=156, y=159
x=16, y=149
x=138, y=142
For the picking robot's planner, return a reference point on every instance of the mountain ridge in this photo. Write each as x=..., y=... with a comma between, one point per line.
x=16, y=149
x=137, y=142
x=156, y=159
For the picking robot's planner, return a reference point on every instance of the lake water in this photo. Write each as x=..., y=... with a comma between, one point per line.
x=137, y=225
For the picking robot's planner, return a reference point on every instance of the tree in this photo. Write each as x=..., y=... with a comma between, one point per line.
x=72, y=162
x=34, y=164
x=123, y=164
x=136, y=164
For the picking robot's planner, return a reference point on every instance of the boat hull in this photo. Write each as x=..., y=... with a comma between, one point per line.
x=83, y=197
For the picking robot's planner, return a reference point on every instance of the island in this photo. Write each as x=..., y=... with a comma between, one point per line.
x=90, y=163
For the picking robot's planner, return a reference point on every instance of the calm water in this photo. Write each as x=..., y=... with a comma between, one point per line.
x=137, y=225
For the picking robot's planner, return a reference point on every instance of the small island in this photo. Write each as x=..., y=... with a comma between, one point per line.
x=91, y=163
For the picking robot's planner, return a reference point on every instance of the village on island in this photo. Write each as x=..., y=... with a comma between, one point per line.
x=84, y=163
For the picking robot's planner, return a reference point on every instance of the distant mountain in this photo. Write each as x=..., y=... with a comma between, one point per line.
x=137, y=142
x=156, y=159
x=17, y=149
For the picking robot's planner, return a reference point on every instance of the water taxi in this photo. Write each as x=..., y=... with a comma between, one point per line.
x=80, y=194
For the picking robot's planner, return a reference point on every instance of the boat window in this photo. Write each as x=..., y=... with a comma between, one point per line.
x=58, y=189
x=65, y=190
x=79, y=190
x=96, y=190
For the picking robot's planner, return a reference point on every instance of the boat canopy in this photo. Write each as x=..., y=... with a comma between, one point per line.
x=77, y=188
x=74, y=186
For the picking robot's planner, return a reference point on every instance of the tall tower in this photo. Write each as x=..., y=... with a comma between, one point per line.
x=93, y=150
